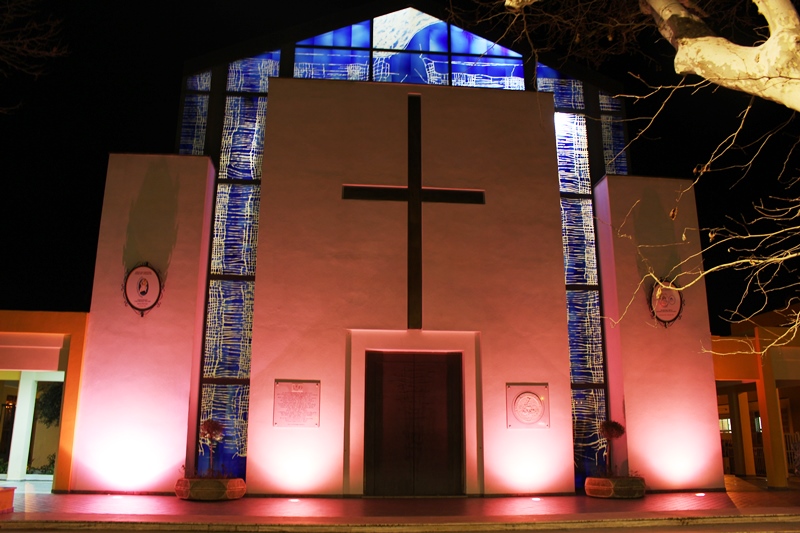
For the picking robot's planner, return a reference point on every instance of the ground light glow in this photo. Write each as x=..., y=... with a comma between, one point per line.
x=700, y=494
x=116, y=462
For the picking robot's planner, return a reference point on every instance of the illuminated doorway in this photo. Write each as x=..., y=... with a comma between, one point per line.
x=30, y=424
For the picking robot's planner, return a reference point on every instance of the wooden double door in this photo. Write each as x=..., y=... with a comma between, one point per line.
x=414, y=424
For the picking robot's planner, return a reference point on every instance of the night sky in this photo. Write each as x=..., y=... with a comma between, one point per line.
x=117, y=91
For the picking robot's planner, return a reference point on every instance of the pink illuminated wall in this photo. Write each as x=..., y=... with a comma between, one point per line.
x=661, y=382
x=332, y=276
x=134, y=401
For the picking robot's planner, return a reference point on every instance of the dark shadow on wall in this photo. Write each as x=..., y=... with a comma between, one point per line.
x=153, y=223
x=655, y=238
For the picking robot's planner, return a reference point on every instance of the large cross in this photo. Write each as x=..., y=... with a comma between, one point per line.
x=414, y=194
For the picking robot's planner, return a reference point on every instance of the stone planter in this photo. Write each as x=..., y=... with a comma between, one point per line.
x=615, y=487
x=210, y=489
x=7, y=499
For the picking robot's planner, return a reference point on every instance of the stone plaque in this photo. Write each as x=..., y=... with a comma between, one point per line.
x=527, y=405
x=296, y=404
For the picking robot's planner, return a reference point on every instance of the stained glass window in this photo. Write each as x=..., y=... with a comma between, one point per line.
x=584, y=324
x=464, y=42
x=488, y=72
x=614, y=145
x=243, y=138
x=577, y=231
x=573, y=153
x=409, y=29
x=585, y=337
x=193, y=125
x=568, y=92
x=229, y=325
x=590, y=449
x=331, y=64
x=229, y=405
x=235, y=229
x=420, y=68
x=199, y=82
x=354, y=36
x=609, y=103
x=252, y=74
x=409, y=46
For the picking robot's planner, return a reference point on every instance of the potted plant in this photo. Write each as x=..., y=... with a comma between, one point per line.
x=213, y=484
x=610, y=484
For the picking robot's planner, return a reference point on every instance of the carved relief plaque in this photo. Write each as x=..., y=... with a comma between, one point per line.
x=296, y=404
x=527, y=405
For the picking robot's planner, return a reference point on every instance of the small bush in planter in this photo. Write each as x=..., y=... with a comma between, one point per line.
x=611, y=430
x=213, y=484
x=610, y=485
x=211, y=433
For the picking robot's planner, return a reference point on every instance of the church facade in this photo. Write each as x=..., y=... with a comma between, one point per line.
x=391, y=259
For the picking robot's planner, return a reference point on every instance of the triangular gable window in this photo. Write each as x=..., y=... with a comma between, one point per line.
x=409, y=46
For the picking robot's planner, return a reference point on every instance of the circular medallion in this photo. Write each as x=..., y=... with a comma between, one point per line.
x=528, y=408
x=666, y=302
x=142, y=288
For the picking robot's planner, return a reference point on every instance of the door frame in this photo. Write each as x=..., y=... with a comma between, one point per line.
x=359, y=342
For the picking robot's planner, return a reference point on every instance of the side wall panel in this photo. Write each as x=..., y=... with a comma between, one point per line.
x=660, y=378
x=137, y=371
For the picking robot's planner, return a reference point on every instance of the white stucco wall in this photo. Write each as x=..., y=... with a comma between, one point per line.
x=661, y=382
x=328, y=266
x=133, y=407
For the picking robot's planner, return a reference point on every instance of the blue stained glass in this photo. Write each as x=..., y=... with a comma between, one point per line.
x=614, y=145
x=543, y=71
x=568, y=93
x=430, y=39
x=355, y=36
x=252, y=74
x=609, y=103
x=229, y=326
x=412, y=68
x=577, y=231
x=199, y=82
x=242, y=149
x=572, y=148
x=488, y=72
x=235, y=229
x=590, y=448
x=193, y=124
x=464, y=42
x=409, y=29
x=331, y=64
x=585, y=337
x=230, y=406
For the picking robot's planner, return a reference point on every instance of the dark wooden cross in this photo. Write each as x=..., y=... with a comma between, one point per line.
x=414, y=194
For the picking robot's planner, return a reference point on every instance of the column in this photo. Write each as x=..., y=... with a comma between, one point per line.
x=769, y=408
x=23, y=421
x=746, y=435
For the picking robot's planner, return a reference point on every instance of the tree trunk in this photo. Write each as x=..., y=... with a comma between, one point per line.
x=770, y=70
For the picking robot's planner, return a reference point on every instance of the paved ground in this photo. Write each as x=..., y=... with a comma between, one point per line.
x=747, y=506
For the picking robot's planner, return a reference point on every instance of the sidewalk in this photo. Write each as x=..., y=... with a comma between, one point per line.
x=745, y=507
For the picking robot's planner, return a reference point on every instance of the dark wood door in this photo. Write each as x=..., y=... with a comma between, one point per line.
x=414, y=424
